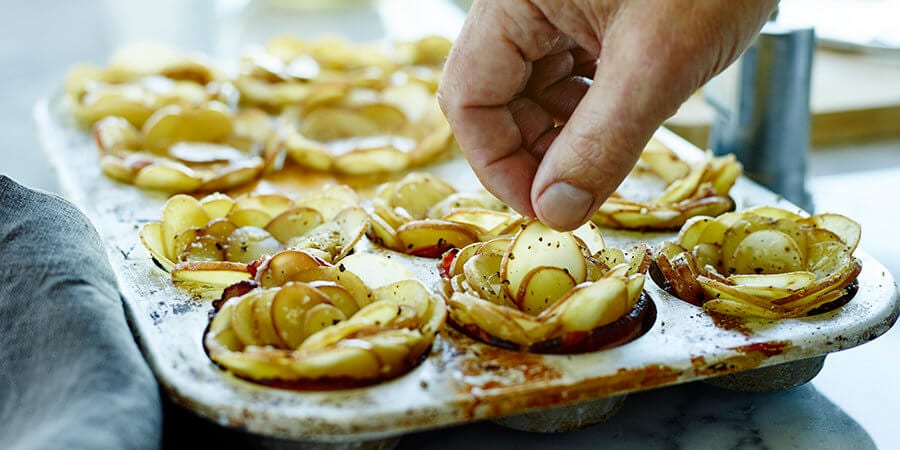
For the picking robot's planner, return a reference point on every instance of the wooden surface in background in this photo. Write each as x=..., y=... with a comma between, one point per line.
x=855, y=96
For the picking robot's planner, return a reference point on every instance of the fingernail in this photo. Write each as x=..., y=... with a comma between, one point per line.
x=564, y=207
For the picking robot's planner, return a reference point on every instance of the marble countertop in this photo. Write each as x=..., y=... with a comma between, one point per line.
x=852, y=403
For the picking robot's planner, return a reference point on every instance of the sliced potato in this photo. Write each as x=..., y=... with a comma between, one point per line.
x=180, y=213
x=329, y=200
x=243, y=321
x=432, y=237
x=290, y=309
x=262, y=309
x=371, y=160
x=174, y=124
x=787, y=280
x=217, y=205
x=285, y=266
x=767, y=251
x=542, y=287
x=168, y=177
x=375, y=270
x=595, y=305
x=848, y=230
x=418, y=192
x=293, y=222
x=152, y=237
x=210, y=273
x=537, y=244
x=249, y=243
x=481, y=221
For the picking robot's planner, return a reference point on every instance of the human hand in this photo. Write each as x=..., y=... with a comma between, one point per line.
x=608, y=72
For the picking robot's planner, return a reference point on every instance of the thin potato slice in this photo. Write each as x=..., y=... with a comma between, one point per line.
x=848, y=230
x=337, y=237
x=329, y=200
x=243, y=322
x=536, y=245
x=340, y=276
x=787, y=280
x=590, y=236
x=418, y=192
x=542, y=287
x=285, y=266
x=180, y=213
x=152, y=237
x=217, y=274
x=337, y=296
x=217, y=205
x=595, y=305
x=482, y=272
x=262, y=309
x=174, y=124
x=290, y=309
x=433, y=237
x=371, y=160
x=167, y=177
x=249, y=243
x=767, y=251
x=481, y=221
x=294, y=222
x=376, y=271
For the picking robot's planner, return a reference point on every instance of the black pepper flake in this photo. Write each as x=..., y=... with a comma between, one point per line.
x=342, y=268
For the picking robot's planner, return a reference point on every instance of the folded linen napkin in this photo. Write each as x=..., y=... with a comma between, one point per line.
x=71, y=375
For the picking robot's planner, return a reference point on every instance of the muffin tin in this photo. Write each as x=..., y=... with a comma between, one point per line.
x=461, y=380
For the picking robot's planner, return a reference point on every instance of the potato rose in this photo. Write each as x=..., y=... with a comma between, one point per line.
x=764, y=262
x=330, y=330
x=548, y=292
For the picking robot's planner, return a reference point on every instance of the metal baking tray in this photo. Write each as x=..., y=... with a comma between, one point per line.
x=461, y=380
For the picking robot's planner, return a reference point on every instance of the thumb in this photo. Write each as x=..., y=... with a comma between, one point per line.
x=595, y=150
x=637, y=84
x=652, y=57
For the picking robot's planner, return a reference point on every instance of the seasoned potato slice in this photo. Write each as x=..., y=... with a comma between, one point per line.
x=187, y=147
x=538, y=245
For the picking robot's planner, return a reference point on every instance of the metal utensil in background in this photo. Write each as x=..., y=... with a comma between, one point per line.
x=762, y=110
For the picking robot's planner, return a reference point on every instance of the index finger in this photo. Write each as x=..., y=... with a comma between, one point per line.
x=488, y=66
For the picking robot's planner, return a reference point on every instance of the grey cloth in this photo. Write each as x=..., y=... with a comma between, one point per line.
x=71, y=375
